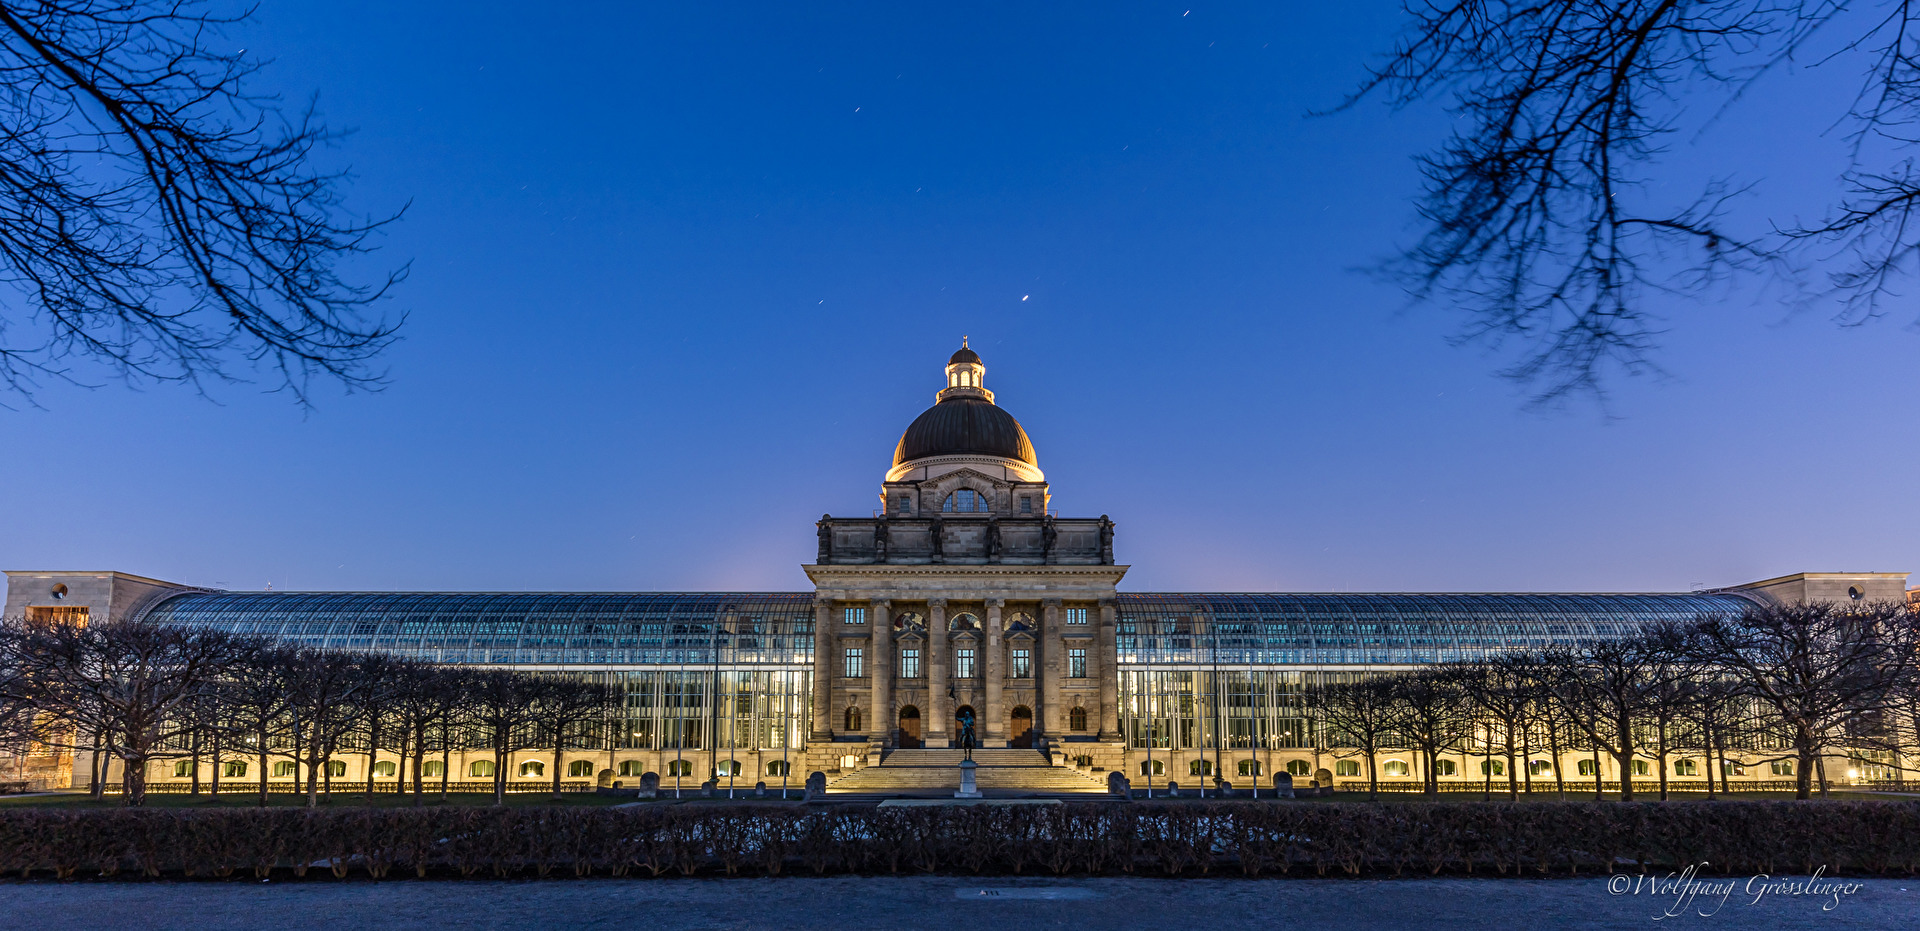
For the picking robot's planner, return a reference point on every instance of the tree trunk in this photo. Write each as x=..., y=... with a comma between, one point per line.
x=133, y=781
x=556, y=772
x=1625, y=761
x=193, y=764
x=1661, y=757
x=263, y=769
x=1803, y=772
x=1526, y=757
x=1559, y=771
x=1373, y=779
x=499, y=774
x=1599, y=787
x=373, y=751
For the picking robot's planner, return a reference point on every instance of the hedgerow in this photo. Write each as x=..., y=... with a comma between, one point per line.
x=1169, y=839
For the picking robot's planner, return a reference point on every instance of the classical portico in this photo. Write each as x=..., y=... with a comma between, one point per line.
x=964, y=591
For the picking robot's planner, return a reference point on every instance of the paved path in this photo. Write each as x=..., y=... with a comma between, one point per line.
x=926, y=903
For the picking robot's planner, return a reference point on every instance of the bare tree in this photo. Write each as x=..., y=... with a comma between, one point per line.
x=502, y=704
x=570, y=710
x=125, y=678
x=423, y=702
x=1820, y=669
x=325, y=690
x=157, y=213
x=1427, y=714
x=1543, y=216
x=1604, y=689
x=1358, y=715
x=1502, y=695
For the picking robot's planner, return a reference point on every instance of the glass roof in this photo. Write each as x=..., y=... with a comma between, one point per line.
x=533, y=628
x=1382, y=629
x=672, y=628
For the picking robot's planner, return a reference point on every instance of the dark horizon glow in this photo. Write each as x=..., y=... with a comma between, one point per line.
x=683, y=275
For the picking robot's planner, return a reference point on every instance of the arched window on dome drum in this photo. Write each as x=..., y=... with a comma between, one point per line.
x=965, y=501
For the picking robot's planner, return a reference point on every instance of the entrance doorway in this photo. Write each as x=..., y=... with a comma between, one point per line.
x=909, y=728
x=1021, y=733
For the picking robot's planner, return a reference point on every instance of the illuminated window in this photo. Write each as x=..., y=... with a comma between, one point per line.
x=1249, y=767
x=1077, y=616
x=1781, y=767
x=1298, y=767
x=853, y=720
x=1585, y=768
x=1686, y=768
x=234, y=768
x=1076, y=664
x=1493, y=767
x=1444, y=768
x=778, y=768
x=679, y=767
x=384, y=768
x=856, y=615
x=1395, y=768
x=1347, y=768
x=1640, y=768
x=336, y=768
x=963, y=664
x=1022, y=664
x=909, y=663
x=1152, y=768
x=434, y=768
x=1540, y=768
x=579, y=768
x=283, y=769
x=726, y=768
x=856, y=663
x=965, y=501
x=1200, y=768
x=632, y=768
x=182, y=769
x=481, y=769
x=1077, y=719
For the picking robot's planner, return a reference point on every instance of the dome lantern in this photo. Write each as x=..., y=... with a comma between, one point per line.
x=966, y=376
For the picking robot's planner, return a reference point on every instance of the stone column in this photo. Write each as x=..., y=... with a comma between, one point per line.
x=823, y=667
x=995, y=734
x=939, y=683
x=1048, y=666
x=881, y=669
x=1102, y=661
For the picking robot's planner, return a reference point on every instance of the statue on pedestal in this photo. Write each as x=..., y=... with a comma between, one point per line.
x=966, y=732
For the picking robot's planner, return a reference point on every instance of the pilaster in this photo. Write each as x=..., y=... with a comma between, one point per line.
x=823, y=666
x=939, y=680
x=1103, y=661
x=996, y=716
x=1049, y=667
x=880, y=615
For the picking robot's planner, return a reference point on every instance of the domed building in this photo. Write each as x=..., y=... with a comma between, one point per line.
x=963, y=606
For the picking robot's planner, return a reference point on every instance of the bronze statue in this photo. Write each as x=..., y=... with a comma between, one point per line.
x=966, y=731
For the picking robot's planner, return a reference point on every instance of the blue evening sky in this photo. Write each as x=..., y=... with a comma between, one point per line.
x=682, y=274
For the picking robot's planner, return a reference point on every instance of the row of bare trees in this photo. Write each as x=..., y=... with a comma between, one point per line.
x=143, y=693
x=1791, y=682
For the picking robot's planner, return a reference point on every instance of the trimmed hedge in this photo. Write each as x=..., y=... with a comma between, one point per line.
x=1251, y=839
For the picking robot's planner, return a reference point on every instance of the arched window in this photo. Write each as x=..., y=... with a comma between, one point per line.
x=1444, y=768
x=1686, y=768
x=1585, y=768
x=1158, y=768
x=965, y=501
x=1781, y=767
x=434, y=768
x=480, y=769
x=533, y=768
x=1540, y=767
x=1394, y=768
x=632, y=768
x=235, y=768
x=336, y=768
x=1298, y=767
x=284, y=769
x=1493, y=767
x=579, y=768
x=1347, y=768
x=679, y=767
x=182, y=768
x=1077, y=719
x=1249, y=767
x=778, y=768
x=1640, y=768
x=1200, y=768
x=384, y=768
x=726, y=768
x=853, y=720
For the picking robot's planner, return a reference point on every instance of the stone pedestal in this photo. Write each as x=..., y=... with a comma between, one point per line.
x=967, y=787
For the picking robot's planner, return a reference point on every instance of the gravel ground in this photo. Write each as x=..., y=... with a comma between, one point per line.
x=922, y=903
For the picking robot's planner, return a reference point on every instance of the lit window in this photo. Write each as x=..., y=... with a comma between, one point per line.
x=1444, y=768
x=1347, y=768
x=182, y=769
x=853, y=720
x=679, y=767
x=965, y=501
x=1022, y=664
x=1298, y=767
x=1540, y=767
x=632, y=768
x=727, y=768
x=856, y=663
x=384, y=768
x=283, y=769
x=1077, y=616
x=963, y=664
x=1640, y=768
x=909, y=663
x=533, y=768
x=1200, y=768
x=1395, y=768
x=1585, y=768
x=1076, y=664
x=1249, y=767
x=1686, y=768
x=434, y=768
x=1781, y=767
x=480, y=769
x=778, y=768
x=234, y=768
x=1077, y=719
x=1152, y=768
x=336, y=768
x=579, y=768
x=1493, y=767
x=1731, y=768
x=856, y=615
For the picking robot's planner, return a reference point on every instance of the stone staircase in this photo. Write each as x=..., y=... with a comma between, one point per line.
x=936, y=773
